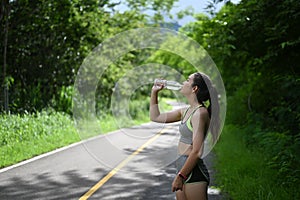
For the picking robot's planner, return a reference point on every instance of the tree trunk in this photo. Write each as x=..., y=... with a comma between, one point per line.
x=5, y=10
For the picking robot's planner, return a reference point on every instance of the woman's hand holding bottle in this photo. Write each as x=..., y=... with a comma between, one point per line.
x=171, y=85
x=158, y=85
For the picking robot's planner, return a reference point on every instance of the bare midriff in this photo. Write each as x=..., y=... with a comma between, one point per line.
x=184, y=149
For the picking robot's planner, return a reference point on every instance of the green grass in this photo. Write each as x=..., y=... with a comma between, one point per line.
x=243, y=174
x=29, y=135
x=25, y=136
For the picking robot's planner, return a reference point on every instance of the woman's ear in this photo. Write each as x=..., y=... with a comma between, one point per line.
x=195, y=88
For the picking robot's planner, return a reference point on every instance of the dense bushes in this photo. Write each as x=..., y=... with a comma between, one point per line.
x=242, y=173
x=282, y=151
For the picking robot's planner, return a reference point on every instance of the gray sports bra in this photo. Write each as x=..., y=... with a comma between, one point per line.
x=185, y=128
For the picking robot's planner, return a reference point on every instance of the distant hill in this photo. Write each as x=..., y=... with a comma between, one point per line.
x=171, y=25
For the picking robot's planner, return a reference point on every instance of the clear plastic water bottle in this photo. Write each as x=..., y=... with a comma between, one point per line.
x=171, y=85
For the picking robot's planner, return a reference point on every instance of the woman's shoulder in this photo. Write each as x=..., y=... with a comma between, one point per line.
x=202, y=112
x=184, y=109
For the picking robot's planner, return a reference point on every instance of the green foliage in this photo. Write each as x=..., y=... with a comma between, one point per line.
x=244, y=174
x=282, y=151
x=27, y=135
x=138, y=108
x=63, y=103
x=237, y=109
x=47, y=44
x=161, y=7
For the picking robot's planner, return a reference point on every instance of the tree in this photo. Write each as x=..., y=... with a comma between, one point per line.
x=4, y=15
x=48, y=41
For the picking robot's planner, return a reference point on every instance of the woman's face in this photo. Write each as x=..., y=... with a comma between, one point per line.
x=187, y=87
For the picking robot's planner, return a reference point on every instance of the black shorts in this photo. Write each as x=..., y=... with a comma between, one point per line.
x=198, y=174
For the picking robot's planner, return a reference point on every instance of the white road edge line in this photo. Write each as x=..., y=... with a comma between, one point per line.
x=56, y=151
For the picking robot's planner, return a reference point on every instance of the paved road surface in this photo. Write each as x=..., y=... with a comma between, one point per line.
x=71, y=172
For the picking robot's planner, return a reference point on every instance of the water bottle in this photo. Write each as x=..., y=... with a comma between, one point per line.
x=171, y=85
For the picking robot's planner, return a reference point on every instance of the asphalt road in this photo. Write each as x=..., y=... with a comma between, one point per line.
x=133, y=163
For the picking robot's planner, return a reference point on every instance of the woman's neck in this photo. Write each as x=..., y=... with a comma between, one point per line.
x=193, y=102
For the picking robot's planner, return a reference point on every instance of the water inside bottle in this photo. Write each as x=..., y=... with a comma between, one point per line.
x=171, y=85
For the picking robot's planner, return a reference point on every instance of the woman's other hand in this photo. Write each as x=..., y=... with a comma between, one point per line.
x=177, y=184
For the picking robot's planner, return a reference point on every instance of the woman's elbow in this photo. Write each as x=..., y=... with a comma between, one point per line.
x=197, y=153
x=157, y=119
x=154, y=119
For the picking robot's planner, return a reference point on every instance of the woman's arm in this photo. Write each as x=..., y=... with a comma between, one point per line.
x=155, y=114
x=199, y=120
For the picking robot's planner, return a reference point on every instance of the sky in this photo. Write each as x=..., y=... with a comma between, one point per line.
x=198, y=6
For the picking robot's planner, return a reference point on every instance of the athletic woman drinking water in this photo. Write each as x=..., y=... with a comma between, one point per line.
x=192, y=178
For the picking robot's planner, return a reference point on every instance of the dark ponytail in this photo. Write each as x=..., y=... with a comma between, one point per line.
x=207, y=92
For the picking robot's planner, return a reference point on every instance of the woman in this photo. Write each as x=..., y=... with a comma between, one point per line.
x=192, y=179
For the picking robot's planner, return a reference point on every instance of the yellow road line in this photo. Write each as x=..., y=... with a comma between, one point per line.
x=89, y=193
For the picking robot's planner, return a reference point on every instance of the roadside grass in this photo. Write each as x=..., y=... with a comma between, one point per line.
x=243, y=174
x=25, y=136
x=28, y=135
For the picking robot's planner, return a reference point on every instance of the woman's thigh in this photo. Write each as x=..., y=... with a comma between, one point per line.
x=196, y=191
x=180, y=195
